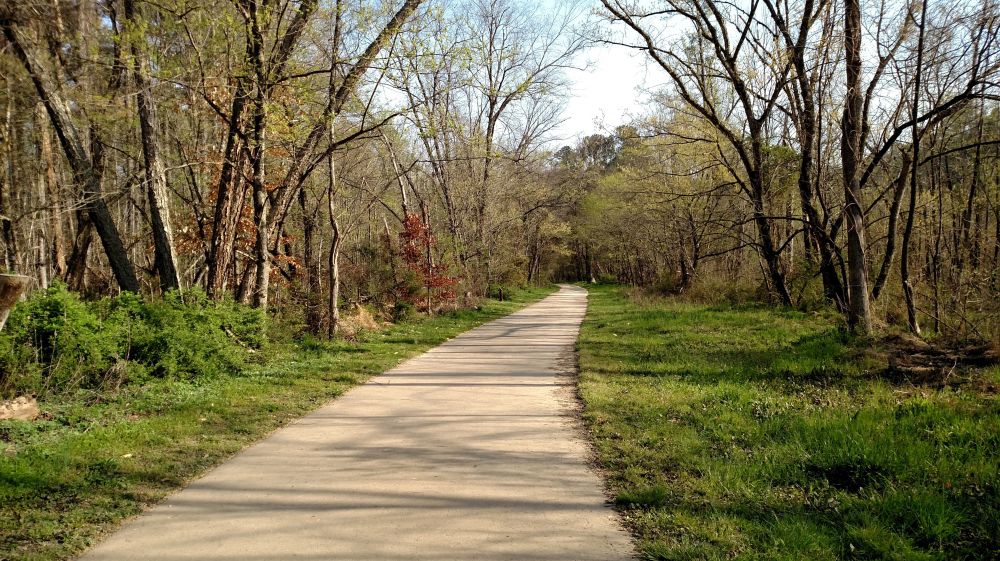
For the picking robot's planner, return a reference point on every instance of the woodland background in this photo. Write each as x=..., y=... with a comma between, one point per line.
x=302, y=156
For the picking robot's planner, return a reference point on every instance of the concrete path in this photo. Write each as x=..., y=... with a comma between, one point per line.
x=470, y=451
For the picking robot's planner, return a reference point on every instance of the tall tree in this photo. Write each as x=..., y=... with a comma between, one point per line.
x=156, y=175
x=859, y=310
x=86, y=170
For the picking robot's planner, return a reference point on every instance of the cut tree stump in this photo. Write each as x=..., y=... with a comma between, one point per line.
x=11, y=288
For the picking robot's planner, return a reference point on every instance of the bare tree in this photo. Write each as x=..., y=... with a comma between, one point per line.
x=156, y=175
x=85, y=169
x=701, y=69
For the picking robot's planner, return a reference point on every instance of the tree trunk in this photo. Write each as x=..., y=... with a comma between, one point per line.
x=229, y=199
x=261, y=203
x=10, y=256
x=85, y=169
x=156, y=175
x=76, y=267
x=334, y=264
x=7, y=182
x=262, y=254
x=904, y=262
x=832, y=286
x=859, y=313
x=964, y=243
x=311, y=266
x=57, y=247
x=768, y=250
x=685, y=270
x=334, y=274
x=890, y=244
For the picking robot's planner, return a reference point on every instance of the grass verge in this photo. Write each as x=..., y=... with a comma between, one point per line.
x=752, y=433
x=99, y=457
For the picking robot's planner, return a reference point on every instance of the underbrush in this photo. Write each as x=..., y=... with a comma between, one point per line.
x=745, y=432
x=56, y=343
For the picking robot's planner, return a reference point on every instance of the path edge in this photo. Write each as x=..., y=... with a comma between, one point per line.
x=569, y=395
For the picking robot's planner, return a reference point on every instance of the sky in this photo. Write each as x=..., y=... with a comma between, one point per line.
x=607, y=84
x=607, y=94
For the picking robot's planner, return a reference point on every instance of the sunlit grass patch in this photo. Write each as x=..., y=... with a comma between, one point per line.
x=752, y=433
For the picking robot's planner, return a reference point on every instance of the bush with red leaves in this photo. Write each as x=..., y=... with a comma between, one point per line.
x=416, y=246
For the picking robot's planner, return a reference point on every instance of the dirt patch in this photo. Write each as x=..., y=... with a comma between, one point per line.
x=912, y=360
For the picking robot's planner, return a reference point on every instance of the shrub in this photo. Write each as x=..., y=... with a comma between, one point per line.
x=56, y=343
x=187, y=335
x=53, y=340
x=403, y=310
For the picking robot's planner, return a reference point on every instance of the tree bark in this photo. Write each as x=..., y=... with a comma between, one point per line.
x=334, y=274
x=57, y=249
x=229, y=196
x=334, y=265
x=10, y=256
x=156, y=175
x=261, y=204
x=76, y=267
x=859, y=314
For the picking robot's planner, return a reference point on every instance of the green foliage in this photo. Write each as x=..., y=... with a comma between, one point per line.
x=186, y=335
x=744, y=432
x=53, y=340
x=403, y=310
x=56, y=343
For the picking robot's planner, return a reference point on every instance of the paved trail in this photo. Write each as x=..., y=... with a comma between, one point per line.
x=467, y=452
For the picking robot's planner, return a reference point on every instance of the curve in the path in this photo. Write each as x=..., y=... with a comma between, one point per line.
x=470, y=451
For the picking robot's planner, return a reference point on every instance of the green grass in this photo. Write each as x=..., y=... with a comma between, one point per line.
x=754, y=433
x=100, y=457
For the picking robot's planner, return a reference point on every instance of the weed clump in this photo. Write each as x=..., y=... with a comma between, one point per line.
x=649, y=496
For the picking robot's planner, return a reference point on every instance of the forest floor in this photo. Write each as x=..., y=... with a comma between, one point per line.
x=753, y=433
x=98, y=458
